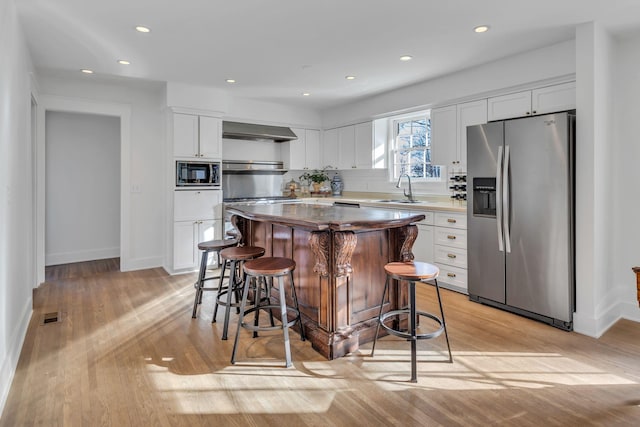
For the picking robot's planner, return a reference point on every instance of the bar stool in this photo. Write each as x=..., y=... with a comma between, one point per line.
x=234, y=257
x=208, y=247
x=412, y=272
x=264, y=271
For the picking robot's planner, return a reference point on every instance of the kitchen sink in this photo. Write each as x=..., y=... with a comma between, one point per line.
x=397, y=201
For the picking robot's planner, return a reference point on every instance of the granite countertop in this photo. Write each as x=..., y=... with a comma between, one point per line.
x=316, y=216
x=425, y=204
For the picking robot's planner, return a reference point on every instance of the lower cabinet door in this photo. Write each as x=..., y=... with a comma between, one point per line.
x=423, y=246
x=185, y=234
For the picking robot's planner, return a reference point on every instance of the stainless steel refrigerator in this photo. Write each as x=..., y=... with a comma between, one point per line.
x=520, y=212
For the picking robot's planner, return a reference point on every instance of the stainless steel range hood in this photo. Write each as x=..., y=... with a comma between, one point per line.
x=253, y=167
x=255, y=132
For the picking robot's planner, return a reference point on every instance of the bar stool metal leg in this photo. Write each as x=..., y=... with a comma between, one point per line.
x=200, y=283
x=412, y=331
x=444, y=324
x=285, y=321
x=375, y=338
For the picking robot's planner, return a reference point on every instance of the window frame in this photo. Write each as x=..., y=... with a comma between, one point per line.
x=396, y=168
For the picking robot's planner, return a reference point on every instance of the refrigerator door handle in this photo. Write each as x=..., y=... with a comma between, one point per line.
x=499, y=200
x=505, y=201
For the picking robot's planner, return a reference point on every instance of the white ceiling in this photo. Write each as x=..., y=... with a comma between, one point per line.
x=278, y=49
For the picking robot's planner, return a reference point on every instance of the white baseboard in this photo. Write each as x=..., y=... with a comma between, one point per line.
x=80, y=256
x=596, y=327
x=10, y=362
x=631, y=311
x=140, y=263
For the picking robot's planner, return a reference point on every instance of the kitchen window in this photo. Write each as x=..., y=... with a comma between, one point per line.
x=411, y=152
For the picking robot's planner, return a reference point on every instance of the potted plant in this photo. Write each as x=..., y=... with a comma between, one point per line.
x=316, y=177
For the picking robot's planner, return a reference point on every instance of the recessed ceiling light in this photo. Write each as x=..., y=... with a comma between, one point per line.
x=87, y=71
x=123, y=62
x=350, y=77
x=406, y=58
x=230, y=80
x=142, y=29
x=481, y=29
x=306, y=94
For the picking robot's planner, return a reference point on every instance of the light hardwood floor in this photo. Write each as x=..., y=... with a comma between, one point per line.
x=128, y=353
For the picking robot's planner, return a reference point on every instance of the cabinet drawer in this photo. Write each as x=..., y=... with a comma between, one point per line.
x=451, y=219
x=450, y=237
x=456, y=257
x=454, y=276
x=189, y=205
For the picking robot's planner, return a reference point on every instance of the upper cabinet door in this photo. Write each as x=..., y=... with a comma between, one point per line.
x=294, y=152
x=509, y=106
x=210, y=132
x=363, y=152
x=197, y=136
x=469, y=113
x=555, y=98
x=312, y=149
x=346, y=146
x=444, y=136
x=330, y=148
x=185, y=135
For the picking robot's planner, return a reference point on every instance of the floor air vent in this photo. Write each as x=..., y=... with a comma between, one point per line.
x=51, y=317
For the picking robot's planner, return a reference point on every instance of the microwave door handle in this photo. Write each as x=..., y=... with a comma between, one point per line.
x=499, y=200
x=506, y=196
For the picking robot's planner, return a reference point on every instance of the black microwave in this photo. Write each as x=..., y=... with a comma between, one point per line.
x=197, y=174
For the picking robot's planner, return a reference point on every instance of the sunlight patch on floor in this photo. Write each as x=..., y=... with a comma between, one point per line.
x=244, y=389
x=482, y=371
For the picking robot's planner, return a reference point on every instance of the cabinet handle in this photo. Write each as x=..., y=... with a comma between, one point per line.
x=451, y=275
x=528, y=113
x=353, y=167
x=450, y=237
x=451, y=220
x=451, y=255
x=534, y=111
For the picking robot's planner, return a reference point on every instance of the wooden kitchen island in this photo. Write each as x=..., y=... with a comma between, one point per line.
x=340, y=253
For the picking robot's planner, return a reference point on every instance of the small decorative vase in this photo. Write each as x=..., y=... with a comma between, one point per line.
x=316, y=187
x=336, y=185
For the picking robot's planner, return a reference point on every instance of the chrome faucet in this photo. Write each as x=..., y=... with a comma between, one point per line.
x=410, y=194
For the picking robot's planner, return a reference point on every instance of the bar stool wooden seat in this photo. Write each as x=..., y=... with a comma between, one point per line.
x=208, y=247
x=264, y=271
x=412, y=272
x=233, y=257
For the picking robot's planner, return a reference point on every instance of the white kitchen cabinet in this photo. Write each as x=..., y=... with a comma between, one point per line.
x=330, y=153
x=542, y=100
x=197, y=136
x=444, y=150
x=346, y=147
x=449, y=132
x=186, y=236
x=363, y=145
x=353, y=146
x=197, y=216
x=555, y=98
x=450, y=249
x=302, y=153
x=423, y=246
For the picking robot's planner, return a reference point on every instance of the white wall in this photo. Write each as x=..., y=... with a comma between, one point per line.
x=543, y=64
x=82, y=187
x=146, y=155
x=16, y=195
x=625, y=206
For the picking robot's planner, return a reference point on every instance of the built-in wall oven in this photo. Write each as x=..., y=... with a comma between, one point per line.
x=198, y=174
